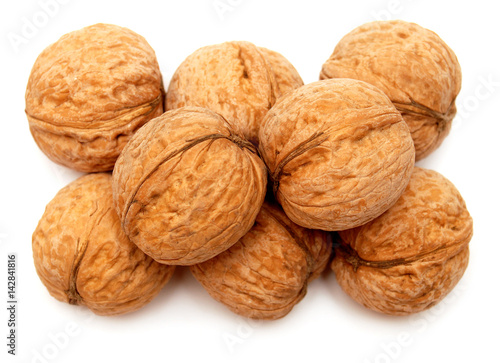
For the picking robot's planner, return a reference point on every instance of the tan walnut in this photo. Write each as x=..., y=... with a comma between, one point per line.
x=265, y=274
x=413, y=66
x=89, y=92
x=83, y=257
x=236, y=79
x=408, y=259
x=187, y=187
x=338, y=152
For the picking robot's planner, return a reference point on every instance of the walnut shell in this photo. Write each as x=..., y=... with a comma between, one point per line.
x=89, y=92
x=238, y=80
x=265, y=274
x=413, y=255
x=413, y=66
x=339, y=153
x=186, y=187
x=84, y=258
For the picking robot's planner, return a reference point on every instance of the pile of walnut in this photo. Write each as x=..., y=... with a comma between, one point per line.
x=253, y=179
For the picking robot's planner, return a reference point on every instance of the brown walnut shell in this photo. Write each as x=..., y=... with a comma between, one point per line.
x=187, y=187
x=339, y=153
x=265, y=274
x=413, y=66
x=84, y=258
x=89, y=92
x=413, y=255
x=238, y=80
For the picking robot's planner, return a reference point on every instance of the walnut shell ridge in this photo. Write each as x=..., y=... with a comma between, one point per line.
x=265, y=274
x=413, y=66
x=83, y=257
x=89, y=92
x=408, y=259
x=338, y=152
x=187, y=187
x=236, y=79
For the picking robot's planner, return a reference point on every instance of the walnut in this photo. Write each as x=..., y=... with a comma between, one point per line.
x=413, y=255
x=415, y=69
x=89, y=92
x=236, y=79
x=84, y=258
x=265, y=274
x=187, y=187
x=339, y=153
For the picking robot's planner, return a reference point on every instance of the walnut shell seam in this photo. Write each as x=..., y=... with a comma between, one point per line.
x=301, y=148
x=417, y=109
x=240, y=142
x=314, y=141
x=122, y=120
x=298, y=242
x=73, y=295
x=352, y=257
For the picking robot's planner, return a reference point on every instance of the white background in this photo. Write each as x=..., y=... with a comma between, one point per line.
x=183, y=323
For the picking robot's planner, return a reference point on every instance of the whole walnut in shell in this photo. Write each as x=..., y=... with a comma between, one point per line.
x=408, y=259
x=238, y=80
x=265, y=274
x=89, y=92
x=187, y=187
x=413, y=66
x=84, y=258
x=339, y=153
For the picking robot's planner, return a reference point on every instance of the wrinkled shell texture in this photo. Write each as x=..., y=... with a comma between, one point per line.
x=415, y=69
x=412, y=256
x=339, y=153
x=89, y=92
x=186, y=187
x=83, y=257
x=265, y=274
x=235, y=79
